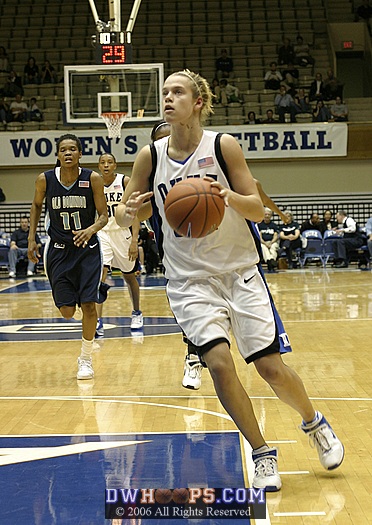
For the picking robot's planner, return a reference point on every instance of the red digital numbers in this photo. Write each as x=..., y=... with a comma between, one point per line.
x=348, y=44
x=113, y=54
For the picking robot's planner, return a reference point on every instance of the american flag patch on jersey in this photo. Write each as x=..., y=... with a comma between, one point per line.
x=117, y=187
x=83, y=183
x=205, y=162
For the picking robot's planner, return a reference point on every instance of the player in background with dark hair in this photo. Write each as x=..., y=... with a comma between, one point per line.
x=76, y=211
x=119, y=245
x=210, y=295
x=161, y=129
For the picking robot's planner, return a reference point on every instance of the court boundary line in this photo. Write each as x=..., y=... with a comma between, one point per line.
x=115, y=397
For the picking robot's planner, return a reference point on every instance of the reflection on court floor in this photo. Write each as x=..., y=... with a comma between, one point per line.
x=61, y=480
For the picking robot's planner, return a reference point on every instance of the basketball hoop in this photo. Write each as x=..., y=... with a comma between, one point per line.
x=114, y=121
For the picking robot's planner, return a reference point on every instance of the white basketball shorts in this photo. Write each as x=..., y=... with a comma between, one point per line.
x=208, y=308
x=115, y=246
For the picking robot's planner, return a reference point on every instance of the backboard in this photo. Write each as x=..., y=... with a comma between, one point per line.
x=132, y=88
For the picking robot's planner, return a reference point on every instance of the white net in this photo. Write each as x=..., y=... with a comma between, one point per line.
x=114, y=122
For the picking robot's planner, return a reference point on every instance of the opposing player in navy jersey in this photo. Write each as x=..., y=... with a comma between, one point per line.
x=76, y=211
x=214, y=283
x=119, y=245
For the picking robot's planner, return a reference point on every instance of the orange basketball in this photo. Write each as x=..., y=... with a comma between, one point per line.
x=163, y=495
x=194, y=208
x=181, y=495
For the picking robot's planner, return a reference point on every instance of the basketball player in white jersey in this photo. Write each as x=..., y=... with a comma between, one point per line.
x=214, y=283
x=119, y=245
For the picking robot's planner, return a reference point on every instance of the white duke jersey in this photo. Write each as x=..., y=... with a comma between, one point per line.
x=113, y=194
x=230, y=247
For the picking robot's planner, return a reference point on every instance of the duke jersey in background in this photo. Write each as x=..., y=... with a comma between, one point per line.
x=113, y=194
x=68, y=208
x=230, y=247
x=115, y=241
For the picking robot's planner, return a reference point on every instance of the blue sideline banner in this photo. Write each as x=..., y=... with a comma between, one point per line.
x=38, y=148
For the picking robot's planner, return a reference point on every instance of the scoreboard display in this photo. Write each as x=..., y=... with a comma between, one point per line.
x=112, y=49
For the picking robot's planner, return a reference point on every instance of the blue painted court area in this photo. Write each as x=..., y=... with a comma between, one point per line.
x=59, y=329
x=61, y=480
x=42, y=284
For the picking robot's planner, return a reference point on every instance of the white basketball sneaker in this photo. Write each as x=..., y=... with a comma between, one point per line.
x=266, y=475
x=321, y=436
x=192, y=372
x=85, y=368
x=100, y=331
x=137, y=320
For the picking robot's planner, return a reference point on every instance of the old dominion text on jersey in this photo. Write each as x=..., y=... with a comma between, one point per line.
x=69, y=201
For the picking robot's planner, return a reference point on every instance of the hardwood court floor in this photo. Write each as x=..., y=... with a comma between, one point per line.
x=137, y=385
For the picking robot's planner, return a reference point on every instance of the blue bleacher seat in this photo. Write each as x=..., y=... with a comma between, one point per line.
x=314, y=247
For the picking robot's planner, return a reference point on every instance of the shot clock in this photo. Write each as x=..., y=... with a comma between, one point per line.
x=113, y=49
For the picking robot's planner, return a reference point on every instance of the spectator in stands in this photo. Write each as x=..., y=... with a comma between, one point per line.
x=302, y=102
x=227, y=93
x=364, y=13
x=284, y=104
x=252, y=119
x=327, y=223
x=34, y=112
x=5, y=65
x=269, y=117
x=286, y=54
x=5, y=115
x=269, y=235
x=350, y=239
x=302, y=53
x=317, y=88
x=273, y=77
x=369, y=235
x=48, y=74
x=321, y=113
x=18, y=247
x=224, y=66
x=332, y=86
x=215, y=82
x=339, y=111
x=313, y=223
x=13, y=85
x=31, y=72
x=18, y=109
x=290, y=78
x=290, y=239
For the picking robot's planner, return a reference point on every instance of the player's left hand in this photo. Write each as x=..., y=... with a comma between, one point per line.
x=81, y=237
x=133, y=251
x=224, y=192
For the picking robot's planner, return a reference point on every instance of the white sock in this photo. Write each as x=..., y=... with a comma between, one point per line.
x=86, y=348
x=262, y=449
x=316, y=419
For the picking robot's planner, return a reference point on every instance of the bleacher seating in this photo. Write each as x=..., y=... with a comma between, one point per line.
x=179, y=34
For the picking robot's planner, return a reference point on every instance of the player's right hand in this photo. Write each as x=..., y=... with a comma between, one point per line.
x=125, y=215
x=33, y=253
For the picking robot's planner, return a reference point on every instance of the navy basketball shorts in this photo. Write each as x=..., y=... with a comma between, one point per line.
x=74, y=272
x=208, y=308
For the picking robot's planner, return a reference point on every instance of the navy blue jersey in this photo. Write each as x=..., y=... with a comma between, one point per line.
x=68, y=209
x=268, y=230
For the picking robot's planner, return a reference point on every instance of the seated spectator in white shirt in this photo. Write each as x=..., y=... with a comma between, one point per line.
x=18, y=109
